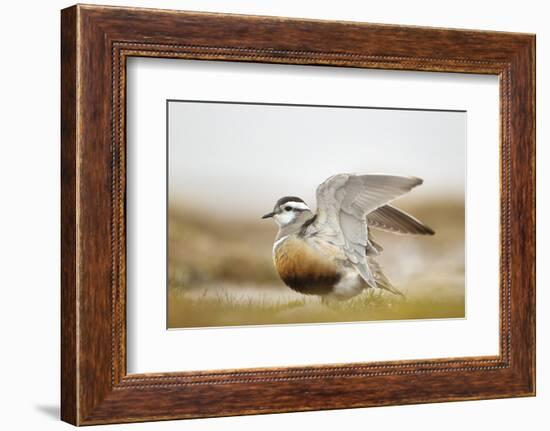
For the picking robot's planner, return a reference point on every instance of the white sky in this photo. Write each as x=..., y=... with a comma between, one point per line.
x=240, y=159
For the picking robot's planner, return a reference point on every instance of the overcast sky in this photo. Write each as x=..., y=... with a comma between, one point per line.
x=240, y=159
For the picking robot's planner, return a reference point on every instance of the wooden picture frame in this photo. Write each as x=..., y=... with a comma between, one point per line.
x=95, y=43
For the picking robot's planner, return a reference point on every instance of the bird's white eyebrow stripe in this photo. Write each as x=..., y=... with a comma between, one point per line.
x=296, y=205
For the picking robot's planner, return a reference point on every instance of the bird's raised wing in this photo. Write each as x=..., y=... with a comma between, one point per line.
x=343, y=203
x=391, y=219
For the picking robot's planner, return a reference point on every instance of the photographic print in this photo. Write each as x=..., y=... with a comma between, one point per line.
x=296, y=214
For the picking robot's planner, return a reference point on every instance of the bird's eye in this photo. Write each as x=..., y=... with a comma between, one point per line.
x=288, y=208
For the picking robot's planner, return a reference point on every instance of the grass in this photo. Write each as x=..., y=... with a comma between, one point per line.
x=221, y=273
x=226, y=309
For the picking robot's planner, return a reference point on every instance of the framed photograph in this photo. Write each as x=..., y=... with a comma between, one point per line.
x=264, y=214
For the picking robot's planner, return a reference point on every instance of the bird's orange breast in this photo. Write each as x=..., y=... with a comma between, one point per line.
x=304, y=269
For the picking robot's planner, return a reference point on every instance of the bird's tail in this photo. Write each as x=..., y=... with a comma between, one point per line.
x=380, y=278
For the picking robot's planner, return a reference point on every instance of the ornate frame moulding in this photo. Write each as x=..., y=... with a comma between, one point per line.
x=96, y=41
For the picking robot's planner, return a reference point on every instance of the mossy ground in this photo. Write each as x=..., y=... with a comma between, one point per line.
x=221, y=273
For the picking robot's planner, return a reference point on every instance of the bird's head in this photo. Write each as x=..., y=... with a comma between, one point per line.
x=289, y=210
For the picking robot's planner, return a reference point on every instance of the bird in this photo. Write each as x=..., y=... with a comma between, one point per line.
x=331, y=252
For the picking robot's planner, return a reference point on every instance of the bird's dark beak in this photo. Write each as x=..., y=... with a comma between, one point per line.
x=269, y=215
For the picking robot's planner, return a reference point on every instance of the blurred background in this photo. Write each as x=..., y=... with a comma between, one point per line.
x=229, y=163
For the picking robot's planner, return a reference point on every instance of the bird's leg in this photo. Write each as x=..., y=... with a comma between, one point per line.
x=329, y=301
